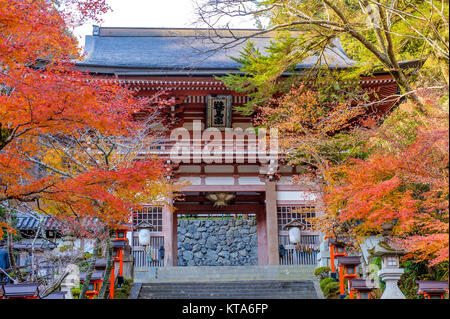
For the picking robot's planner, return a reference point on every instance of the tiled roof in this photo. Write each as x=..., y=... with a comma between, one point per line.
x=37, y=246
x=177, y=49
x=21, y=290
x=432, y=286
x=27, y=222
x=96, y=275
x=349, y=260
x=362, y=284
x=56, y=295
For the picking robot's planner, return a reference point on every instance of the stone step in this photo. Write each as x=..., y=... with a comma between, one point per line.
x=225, y=285
x=224, y=273
x=239, y=269
x=232, y=290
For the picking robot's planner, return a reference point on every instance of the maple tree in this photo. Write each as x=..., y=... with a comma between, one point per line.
x=43, y=95
x=370, y=175
x=404, y=180
x=315, y=133
x=376, y=34
x=70, y=142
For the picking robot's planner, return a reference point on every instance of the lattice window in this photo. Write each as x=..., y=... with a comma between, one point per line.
x=151, y=214
x=289, y=213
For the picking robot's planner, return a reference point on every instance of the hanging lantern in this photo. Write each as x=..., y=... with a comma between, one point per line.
x=144, y=232
x=295, y=227
x=144, y=237
x=294, y=235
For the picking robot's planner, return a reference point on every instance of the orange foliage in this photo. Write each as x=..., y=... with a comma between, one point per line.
x=407, y=184
x=42, y=94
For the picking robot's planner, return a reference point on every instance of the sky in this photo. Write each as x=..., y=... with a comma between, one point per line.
x=148, y=13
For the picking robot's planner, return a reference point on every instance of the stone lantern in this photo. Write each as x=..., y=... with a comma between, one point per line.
x=390, y=271
x=72, y=280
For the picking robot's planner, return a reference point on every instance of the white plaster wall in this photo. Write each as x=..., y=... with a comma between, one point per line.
x=189, y=169
x=295, y=195
x=219, y=169
x=251, y=180
x=285, y=180
x=219, y=180
x=248, y=169
x=194, y=180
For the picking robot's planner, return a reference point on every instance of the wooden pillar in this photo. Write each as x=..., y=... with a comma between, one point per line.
x=175, y=240
x=167, y=228
x=121, y=263
x=272, y=224
x=262, y=237
x=112, y=282
x=341, y=280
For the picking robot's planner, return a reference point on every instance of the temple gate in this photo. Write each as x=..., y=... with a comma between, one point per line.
x=151, y=60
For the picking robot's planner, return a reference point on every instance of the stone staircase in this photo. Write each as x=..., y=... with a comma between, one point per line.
x=271, y=289
x=237, y=282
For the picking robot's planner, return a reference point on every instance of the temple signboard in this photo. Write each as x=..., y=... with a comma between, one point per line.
x=219, y=111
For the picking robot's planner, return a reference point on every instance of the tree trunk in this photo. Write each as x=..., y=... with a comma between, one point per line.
x=107, y=274
x=33, y=255
x=443, y=63
x=9, y=239
x=54, y=285
x=90, y=270
x=402, y=82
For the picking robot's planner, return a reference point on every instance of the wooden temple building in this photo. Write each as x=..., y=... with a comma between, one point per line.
x=183, y=63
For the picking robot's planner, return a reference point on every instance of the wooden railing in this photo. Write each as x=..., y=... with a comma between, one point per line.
x=149, y=256
x=305, y=254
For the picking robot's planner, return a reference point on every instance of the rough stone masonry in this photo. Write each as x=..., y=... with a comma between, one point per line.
x=217, y=242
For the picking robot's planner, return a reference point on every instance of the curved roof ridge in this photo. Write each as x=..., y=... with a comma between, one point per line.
x=113, y=49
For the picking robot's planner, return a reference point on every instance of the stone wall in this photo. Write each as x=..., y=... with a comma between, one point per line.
x=217, y=242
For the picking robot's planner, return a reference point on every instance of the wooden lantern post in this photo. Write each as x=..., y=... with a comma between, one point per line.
x=337, y=249
x=360, y=288
x=347, y=270
x=432, y=289
x=119, y=243
x=96, y=279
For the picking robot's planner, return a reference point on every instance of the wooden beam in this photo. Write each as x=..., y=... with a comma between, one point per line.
x=229, y=209
x=239, y=198
x=224, y=188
